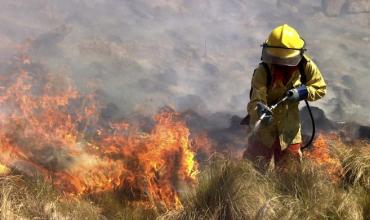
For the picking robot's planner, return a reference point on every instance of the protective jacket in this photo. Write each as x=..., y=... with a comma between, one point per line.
x=286, y=122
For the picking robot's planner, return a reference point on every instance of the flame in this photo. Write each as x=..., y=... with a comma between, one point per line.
x=321, y=155
x=48, y=128
x=202, y=144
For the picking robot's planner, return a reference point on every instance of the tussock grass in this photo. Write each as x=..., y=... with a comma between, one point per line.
x=227, y=189
x=356, y=165
x=33, y=198
x=224, y=192
x=114, y=206
x=235, y=190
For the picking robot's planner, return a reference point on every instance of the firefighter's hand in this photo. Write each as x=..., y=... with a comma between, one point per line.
x=263, y=110
x=298, y=94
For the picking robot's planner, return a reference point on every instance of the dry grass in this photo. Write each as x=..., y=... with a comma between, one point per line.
x=26, y=198
x=227, y=189
x=235, y=190
x=356, y=165
x=32, y=198
x=223, y=192
x=114, y=206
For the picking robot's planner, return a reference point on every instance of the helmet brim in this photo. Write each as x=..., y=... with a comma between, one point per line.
x=290, y=61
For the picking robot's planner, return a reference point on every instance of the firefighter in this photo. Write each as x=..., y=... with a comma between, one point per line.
x=285, y=70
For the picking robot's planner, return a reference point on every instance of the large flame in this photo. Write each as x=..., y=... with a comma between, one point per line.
x=48, y=128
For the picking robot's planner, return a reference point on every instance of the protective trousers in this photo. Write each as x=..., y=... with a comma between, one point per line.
x=262, y=156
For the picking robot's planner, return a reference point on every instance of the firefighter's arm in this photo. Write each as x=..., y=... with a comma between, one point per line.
x=316, y=85
x=258, y=93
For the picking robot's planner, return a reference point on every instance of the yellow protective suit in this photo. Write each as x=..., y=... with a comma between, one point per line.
x=286, y=122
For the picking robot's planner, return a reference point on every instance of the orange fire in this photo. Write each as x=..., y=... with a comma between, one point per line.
x=321, y=155
x=48, y=128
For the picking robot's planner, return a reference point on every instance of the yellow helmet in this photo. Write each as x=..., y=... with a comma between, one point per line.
x=284, y=46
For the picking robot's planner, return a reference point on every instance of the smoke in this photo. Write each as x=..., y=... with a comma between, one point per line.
x=200, y=55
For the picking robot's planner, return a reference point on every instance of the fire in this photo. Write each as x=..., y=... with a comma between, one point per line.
x=48, y=128
x=321, y=155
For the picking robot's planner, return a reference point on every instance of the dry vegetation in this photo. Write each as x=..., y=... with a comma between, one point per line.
x=235, y=190
x=227, y=189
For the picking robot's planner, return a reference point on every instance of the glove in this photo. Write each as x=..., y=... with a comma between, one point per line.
x=298, y=94
x=263, y=109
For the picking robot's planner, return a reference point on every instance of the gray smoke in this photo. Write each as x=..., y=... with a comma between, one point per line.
x=145, y=54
